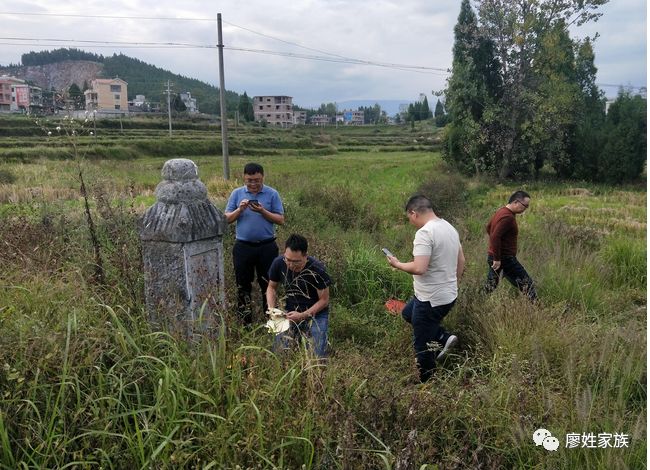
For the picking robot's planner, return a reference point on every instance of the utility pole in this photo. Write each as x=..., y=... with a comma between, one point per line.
x=169, y=108
x=222, y=102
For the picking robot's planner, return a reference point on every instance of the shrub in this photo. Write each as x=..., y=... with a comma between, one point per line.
x=341, y=207
x=447, y=191
x=626, y=262
x=7, y=177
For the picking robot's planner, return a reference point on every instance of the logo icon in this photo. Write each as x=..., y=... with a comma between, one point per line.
x=543, y=437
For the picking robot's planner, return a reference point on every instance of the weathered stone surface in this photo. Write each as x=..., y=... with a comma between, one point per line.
x=59, y=75
x=183, y=212
x=183, y=253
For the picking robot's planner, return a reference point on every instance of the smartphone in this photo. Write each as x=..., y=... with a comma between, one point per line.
x=387, y=252
x=254, y=202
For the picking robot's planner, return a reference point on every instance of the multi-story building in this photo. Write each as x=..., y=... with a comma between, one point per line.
x=6, y=84
x=299, y=118
x=320, y=120
x=17, y=96
x=107, y=96
x=275, y=110
x=353, y=118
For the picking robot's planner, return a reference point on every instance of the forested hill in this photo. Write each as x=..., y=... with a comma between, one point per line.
x=143, y=78
x=151, y=81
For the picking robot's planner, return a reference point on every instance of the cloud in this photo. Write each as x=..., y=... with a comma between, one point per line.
x=413, y=32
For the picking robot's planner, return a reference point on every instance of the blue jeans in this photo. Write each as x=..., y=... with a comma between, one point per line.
x=514, y=272
x=426, y=330
x=314, y=331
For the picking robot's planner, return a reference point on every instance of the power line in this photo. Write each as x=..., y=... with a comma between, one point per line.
x=342, y=57
x=175, y=45
x=406, y=68
x=608, y=85
x=118, y=43
x=166, y=18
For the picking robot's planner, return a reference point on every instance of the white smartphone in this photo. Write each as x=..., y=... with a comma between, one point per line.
x=387, y=252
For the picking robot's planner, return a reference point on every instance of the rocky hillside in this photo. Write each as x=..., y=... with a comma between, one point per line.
x=59, y=75
x=61, y=68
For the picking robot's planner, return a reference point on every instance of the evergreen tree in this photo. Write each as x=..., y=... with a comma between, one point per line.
x=590, y=135
x=467, y=96
x=625, y=153
x=425, y=111
x=246, y=108
x=440, y=115
x=177, y=105
x=514, y=93
x=555, y=95
x=76, y=97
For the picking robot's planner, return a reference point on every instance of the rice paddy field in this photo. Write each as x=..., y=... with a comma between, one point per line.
x=85, y=382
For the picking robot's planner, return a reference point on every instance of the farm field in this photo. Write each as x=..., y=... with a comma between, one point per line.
x=85, y=383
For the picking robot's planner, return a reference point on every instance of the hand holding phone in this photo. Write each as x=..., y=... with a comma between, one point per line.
x=387, y=252
x=254, y=203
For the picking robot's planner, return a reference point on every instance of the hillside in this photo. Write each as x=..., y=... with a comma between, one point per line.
x=61, y=68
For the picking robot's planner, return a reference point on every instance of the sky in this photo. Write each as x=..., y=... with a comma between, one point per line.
x=394, y=33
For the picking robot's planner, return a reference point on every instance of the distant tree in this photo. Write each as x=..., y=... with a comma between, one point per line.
x=467, y=98
x=177, y=105
x=246, y=108
x=76, y=96
x=58, y=55
x=590, y=135
x=440, y=115
x=624, y=155
x=425, y=110
x=328, y=109
x=552, y=101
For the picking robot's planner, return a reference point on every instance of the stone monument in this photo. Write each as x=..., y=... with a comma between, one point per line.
x=182, y=249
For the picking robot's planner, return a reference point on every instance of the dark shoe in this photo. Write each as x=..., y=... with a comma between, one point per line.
x=451, y=341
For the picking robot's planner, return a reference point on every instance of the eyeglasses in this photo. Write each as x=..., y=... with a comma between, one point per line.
x=252, y=181
x=522, y=203
x=292, y=261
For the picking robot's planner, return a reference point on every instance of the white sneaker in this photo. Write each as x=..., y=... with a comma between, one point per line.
x=451, y=341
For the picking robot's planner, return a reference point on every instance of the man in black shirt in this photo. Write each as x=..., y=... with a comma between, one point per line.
x=306, y=291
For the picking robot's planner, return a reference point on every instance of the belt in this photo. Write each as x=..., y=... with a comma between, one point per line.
x=257, y=243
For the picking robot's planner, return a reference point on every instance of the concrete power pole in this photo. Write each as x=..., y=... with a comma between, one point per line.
x=169, y=108
x=222, y=101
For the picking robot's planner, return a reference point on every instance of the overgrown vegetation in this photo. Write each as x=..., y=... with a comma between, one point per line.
x=85, y=382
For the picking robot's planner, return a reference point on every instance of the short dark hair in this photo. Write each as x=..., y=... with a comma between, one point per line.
x=296, y=242
x=418, y=203
x=253, y=168
x=518, y=196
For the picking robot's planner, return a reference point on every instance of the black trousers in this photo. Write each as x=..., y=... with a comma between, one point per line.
x=427, y=329
x=249, y=260
x=514, y=272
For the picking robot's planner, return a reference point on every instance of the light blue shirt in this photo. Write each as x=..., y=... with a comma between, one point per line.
x=251, y=225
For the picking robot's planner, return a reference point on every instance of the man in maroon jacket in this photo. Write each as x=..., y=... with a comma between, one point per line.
x=502, y=249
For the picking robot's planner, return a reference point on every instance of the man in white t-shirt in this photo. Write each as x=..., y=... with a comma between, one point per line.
x=438, y=263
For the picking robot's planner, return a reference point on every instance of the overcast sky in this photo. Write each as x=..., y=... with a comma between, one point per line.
x=407, y=32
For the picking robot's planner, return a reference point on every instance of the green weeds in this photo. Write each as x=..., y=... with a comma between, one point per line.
x=85, y=382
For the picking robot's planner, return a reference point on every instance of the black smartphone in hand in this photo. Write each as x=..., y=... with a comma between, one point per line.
x=254, y=202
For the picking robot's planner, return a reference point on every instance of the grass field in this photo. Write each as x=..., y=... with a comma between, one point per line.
x=85, y=382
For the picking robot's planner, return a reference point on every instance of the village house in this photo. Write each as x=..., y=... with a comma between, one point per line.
x=319, y=120
x=275, y=110
x=17, y=96
x=107, y=96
